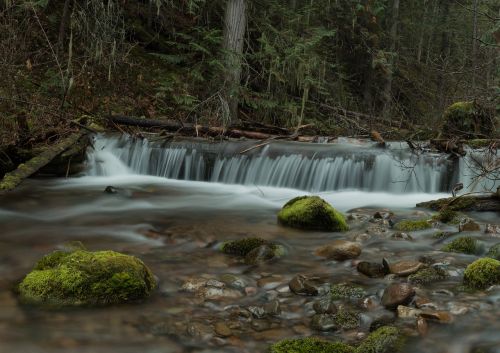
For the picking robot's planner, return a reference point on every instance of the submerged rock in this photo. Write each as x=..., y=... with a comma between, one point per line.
x=468, y=225
x=242, y=247
x=312, y=213
x=346, y=291
x=412, y=225
x=427, y=275
x=482, y=273
x=343, y=319
x=386, y=339
x=494, y=252
x=303, y=285
x=255, y=250
x=372, y=269
x=310, y=345
x=87, y=278
x=339, y=250
x=404, y=268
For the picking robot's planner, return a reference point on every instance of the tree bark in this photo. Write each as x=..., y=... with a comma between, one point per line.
x=64, y=23
x=422, y=33
x=387, y=91
x=474, y=48
x=234, y=32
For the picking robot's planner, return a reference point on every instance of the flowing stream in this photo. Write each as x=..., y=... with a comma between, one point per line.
x=177, y=200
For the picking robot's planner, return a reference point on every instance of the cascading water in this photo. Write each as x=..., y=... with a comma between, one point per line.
x=310, y=167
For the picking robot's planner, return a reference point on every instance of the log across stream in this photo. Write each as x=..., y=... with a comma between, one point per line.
x=175, y=221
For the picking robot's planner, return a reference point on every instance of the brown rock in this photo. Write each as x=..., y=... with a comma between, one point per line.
x=405, y=268
x=443, y=317
x=303, y=285
x=397, y=294
x=469, y=226
x=339, y=250
x=222, y=330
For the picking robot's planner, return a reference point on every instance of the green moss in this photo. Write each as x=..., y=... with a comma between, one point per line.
x=346, y=291
x=465, y=245
x=346, y=319
x=86, y=278
x=494, y=252
x=310, y=345
x=442, y=235
x=427, y=275
x=410, y=225
x=482, y=273
x=312, y=213
x=462, y=203
x=243, y=246
x=447, y=215
x=386, y=339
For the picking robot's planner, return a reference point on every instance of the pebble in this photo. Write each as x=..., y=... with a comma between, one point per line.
x=397, y=294
x=339, y=250
x=371, y=269
x=222, y=330
x=303, y=285
x=405, y=268
x=406, y=312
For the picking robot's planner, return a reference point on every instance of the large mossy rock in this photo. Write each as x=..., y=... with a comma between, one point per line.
x=312, y=213
x=386, y=339
x=468, y=120
x=482, y=273
x=83, y=278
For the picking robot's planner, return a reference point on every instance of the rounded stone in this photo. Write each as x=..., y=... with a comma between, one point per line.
x=303, y=285
x=397, y=294
x=371, y=269
x=339, y=250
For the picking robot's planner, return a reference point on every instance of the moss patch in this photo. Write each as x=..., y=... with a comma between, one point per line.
x=386, y=339
x=346, y=291
x=244, y=246
x=465, y=245
x=482, y=273
x=310, y=345
x=86, y=278
x=409, y=225
x=312, y=213
x=427, y=275
x=447, y=215
x=494, y=252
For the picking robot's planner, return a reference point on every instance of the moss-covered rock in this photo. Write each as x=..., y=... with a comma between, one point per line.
x=312, y=213
x=242, y=247
x=464, y=203
x=346, y=291
x=81, y=277
x=447, y=215
x=468, y=119
x=427, y=275
x=412, y=225
x=494, y=252
x=482, y=273
x=465, y=245
x=310, y=345
x=386, y=339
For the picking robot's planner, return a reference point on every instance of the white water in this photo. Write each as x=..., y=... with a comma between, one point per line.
x=307, y=167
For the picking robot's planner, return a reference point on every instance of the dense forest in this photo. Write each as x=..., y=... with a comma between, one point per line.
x=286, y=63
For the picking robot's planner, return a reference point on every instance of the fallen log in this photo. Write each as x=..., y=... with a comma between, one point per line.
x=481, y=203
x=13, y=179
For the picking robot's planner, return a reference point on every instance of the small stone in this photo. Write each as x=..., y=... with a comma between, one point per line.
x=468, y=225
x=402, y=236
x=303, y=285
x=260, y=255
x=443, y=317
x=383, y=320
x=110, y=190
x=492, y=229
x=405, y=268
x=406, y=312
x=325, y=306
x=397, y=294
x=422, y=326
x=222, y=330
x=272, y=308
x=339, y=250
x=257, y=311
x=323, y=322
x=371, y=269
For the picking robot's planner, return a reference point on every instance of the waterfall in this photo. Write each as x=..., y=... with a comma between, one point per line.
x=309, y=167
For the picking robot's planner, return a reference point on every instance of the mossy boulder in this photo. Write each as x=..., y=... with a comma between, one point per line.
x=464, y=245
x=242, y=247
x=468, y=120
x=83, y=278
x=447, y=215
x=482, y=273
x=482, y=203
x=254, y=250
x=494, y=252
x=386, y=339
x=346, y=291
x=412, y=225
x=310, y=345
x=427, y=275
x=312, y=213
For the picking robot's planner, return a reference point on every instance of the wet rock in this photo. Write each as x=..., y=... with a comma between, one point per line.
x=257, y=311
x=482, y=273
x=465, y=245
x=272, y=308
x=303, y=285
x=210, y=289
x=110, y=190
x=313, y=213
x=381, y=321
x=443, y=317
x=492, y=229
x=494, y=252
x=371, y=269
x=332, y=322
x=403, y=268
x=242, y=247
x=260, y=325
x=310, y=345
x=325, y=306
x=339, y=250
x=260, y=255
x=413, y=225
x=402, y=236
x=222, y=330
x=386, y=339
x=427, y=275
x=323, y=322
x=397, y=294
x=346, y=291
x=270, y=282
x=234, y=281
x=406, y=312
x=422, y=326
x=200, y=330
x=468, y=225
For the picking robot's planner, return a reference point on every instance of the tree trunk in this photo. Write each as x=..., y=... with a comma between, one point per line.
x=444, y=52
x=422, y=33
x=474, y=48
x=234, y=33
x=64, y=23
x=387, y=92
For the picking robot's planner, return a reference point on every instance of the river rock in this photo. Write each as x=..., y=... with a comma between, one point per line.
x=222, y=330
x=260, y=255
x=325, y=306
x=404, y=268
x=371, y=269
x=323, y=322
x=339, y=250
x=303, y=285
x=397, y=294
x=468, y=225
x=343, y=319
x=406, y=312
x=443, y=317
